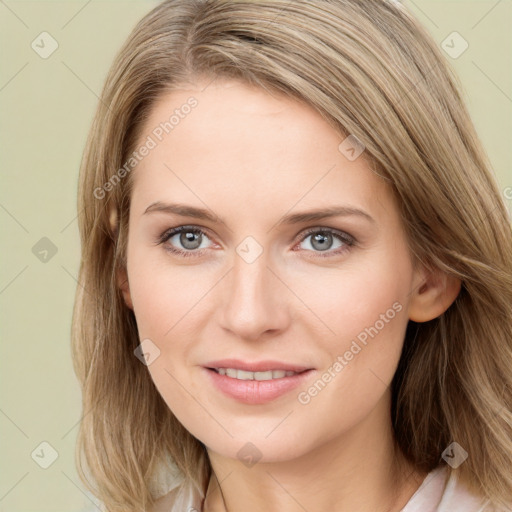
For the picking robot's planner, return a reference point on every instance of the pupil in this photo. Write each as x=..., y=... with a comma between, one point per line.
x=322, y=239
x=188, y=239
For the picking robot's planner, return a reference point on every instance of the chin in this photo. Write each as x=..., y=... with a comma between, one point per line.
x=254, y=448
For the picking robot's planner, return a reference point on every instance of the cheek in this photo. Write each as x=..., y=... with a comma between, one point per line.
x=166, y=297
x=363, y=314
x=345, y=302
x=171, y=309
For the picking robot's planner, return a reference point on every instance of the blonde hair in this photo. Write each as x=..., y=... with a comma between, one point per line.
x=371, y=70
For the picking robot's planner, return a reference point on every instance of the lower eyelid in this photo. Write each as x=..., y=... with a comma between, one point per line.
x=347, y=240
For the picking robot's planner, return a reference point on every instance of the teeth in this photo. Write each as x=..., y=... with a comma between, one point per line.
x=264, y=375
x=244, y=375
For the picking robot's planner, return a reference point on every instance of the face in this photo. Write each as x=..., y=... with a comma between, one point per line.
x=253, y=281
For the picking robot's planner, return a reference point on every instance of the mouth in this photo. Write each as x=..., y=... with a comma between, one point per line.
x=235, y=373
x=256, y=383
x=230, y=366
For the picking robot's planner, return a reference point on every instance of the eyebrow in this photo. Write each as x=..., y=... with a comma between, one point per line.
x=294, y=218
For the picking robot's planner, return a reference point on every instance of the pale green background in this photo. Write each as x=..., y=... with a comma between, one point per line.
x=46, y=109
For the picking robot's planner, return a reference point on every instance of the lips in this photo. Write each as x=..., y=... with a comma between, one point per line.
x=256, y=382
x=257, y=366
x=245, y=375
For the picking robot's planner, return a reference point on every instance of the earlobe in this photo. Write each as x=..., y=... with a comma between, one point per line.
x=434, y=294
x=124, y=286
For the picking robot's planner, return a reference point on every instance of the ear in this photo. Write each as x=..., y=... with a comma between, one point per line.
x=124, y=286
x=433, y=293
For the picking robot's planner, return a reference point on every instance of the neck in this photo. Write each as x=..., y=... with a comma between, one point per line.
x=359, y=470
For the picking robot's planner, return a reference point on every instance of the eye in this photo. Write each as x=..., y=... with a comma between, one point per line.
x=323, y=239
x=189, y=237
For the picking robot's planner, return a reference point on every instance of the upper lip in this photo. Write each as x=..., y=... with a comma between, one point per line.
x=256, y=366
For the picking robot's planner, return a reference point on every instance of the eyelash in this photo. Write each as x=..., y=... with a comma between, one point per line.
x=348, y=241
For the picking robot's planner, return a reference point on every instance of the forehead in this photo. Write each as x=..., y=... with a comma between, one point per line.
x=240, y=144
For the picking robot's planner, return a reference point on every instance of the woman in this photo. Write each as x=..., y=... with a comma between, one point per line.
x=296, y=269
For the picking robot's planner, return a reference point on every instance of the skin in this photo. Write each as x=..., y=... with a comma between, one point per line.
x=251, y=157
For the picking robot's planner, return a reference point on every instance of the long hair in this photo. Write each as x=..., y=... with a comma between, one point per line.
x=371, y=70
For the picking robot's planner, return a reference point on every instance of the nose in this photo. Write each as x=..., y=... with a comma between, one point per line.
x=256, y=303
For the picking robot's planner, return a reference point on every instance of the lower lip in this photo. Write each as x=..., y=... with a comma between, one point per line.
x=256, y=391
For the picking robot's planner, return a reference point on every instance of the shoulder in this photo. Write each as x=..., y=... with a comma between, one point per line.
x=166, y=502
x=183, y=498
x=442, y=491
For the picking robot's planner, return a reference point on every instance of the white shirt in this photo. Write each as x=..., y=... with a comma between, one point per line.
x=437, y=493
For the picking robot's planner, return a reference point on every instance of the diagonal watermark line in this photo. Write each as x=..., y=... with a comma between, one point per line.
x=69, y=223
x=279, y=13
x=81, y=490
x=14, y=76
x=279, y=423
x=14, y=423
x=209, y=83
x=83, y=416
x=301, y=300
x=423, y=77
x=13, y=13
x=301, y=198
x=13, y=279
x=424, y=13
x=486, y=14
x=196, y=400
x=105, y=205
x=216, y=485
x=14, y=218
x=387, y=385
x=198, y=301
x=14, y=485
x=207, y=207
x=76, y=14
x=78, y=78
x=492, y=81
x=75, y=279
x=278, y=483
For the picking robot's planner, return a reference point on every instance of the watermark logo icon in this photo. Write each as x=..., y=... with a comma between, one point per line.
x=454, y=45
x=454, y=455
x=249, y=454
x=249, y=249
x=44, y=45
x=351, y=148
x=44, y=455
x=147, y=352
x=44, y=250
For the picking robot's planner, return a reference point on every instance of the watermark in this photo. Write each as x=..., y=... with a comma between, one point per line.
x=147, y=352
x=454, y=45
x=249, y=454
x=351, y=148
x=304, y=397
x=44, y=249
x=44, y=45
x=454, y=455
x=157, y=135
x=44, y=455
x=507, y=193
x=249, y=249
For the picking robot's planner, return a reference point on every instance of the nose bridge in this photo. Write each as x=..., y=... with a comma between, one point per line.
x=255, y=301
